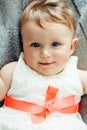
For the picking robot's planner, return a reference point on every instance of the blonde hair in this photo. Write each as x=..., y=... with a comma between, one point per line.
x=49, y=10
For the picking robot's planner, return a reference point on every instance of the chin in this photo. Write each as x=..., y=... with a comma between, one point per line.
x=47, y=73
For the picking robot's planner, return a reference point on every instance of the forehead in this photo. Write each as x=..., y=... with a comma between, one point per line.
x=51, y=32
x=48, y=28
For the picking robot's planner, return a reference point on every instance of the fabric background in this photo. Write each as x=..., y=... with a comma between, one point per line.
x=81, y=51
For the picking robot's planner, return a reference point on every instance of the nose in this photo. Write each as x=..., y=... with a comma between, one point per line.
x=45, y=52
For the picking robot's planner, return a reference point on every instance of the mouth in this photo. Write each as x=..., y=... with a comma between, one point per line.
x=46, y=64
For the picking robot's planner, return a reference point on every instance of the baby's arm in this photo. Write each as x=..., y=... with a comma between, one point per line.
x=83, y=77
x=5, y=78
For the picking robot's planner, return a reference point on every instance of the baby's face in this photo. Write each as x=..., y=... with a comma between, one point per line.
x=47, y=50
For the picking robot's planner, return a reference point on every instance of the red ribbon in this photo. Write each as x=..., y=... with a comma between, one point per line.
x=65, y=105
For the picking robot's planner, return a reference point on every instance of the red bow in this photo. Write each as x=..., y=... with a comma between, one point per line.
x=65, y=105
x=38, y=117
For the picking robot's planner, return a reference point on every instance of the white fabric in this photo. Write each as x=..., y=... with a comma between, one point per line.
x=30, y=86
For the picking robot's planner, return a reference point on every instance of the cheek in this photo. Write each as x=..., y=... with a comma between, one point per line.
x=62, y=56
x=59, y=53
x=64, y=51
x=29, y=57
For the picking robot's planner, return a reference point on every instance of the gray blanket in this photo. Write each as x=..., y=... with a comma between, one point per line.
x=80, y=4
x=10, y=40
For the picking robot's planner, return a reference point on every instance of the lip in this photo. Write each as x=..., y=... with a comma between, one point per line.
x=45, y=64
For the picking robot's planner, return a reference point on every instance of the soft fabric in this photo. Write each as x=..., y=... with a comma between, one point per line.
x=81, y=51
x=81, y=32
x=81, y=4
x=10, y=40
x=67, y=83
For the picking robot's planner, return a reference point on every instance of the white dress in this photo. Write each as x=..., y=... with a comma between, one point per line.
x=28, y=85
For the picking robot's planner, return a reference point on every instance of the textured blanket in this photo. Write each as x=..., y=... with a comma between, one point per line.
x=10, y=40
x=80, y=4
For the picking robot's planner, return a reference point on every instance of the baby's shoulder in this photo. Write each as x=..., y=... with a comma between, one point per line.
x=6, y=74
x=8, y=69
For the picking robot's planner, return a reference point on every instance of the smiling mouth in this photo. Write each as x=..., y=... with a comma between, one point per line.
x=46, y=63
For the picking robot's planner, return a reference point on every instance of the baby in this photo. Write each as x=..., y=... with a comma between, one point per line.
x=43, y=89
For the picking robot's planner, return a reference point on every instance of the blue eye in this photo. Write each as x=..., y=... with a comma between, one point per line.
x=35, y=44
x=55, y=44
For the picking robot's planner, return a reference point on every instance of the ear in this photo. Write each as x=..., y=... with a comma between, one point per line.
x=73, y=45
